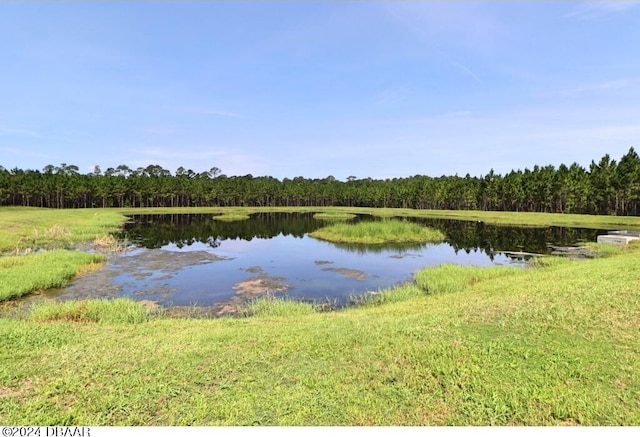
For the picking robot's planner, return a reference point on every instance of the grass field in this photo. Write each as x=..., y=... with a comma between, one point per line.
x=557, y=343
x=552, y=345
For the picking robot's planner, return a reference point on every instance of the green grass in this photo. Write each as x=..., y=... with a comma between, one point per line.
x=552, y=345
x=397, y=294
x=32, y=228
x=386, y=231
x=449, y=278
x=24, y=230
x=24, y=274
x=229, y=217
x=334, y=215
x=90, y=311
x=555, y=344
x=275, y=307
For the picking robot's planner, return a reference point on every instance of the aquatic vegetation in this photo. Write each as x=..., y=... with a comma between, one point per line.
x=231, y=217
x=385, y=231
x=334, y=215
x=108, y=243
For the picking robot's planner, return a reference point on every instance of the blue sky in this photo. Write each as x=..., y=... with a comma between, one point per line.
x=291, y=88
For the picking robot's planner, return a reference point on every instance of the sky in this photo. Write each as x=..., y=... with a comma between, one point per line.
x=378, y=89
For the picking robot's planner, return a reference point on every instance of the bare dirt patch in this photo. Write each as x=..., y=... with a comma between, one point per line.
x=25, y=388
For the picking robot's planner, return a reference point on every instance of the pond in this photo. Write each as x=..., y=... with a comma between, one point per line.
x=194, y=260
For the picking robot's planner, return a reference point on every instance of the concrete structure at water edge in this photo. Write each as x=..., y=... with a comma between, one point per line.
x=621, y=238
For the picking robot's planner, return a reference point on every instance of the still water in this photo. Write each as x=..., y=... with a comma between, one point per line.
x=184, y=260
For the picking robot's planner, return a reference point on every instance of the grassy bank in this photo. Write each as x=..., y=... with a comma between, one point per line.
x=386, y=231
x=25, y=230
x=491, y=217
x=31, y=228
x=20, y=275
x=556, y=344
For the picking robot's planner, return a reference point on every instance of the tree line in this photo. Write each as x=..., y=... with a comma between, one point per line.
x=607, y=187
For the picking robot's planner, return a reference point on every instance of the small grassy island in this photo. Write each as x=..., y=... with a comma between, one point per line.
x=378, y=232
x=231, y=217
x=337, y=216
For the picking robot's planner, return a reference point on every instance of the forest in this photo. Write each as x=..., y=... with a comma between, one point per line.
x=607, y=187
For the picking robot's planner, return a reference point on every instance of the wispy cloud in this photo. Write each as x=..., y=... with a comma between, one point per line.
x=459, y=65
x=231, y=162
x=173, y=153
x=465, y=69
x=433, y=22
x=608, y=85
x=599, y=9
x=457, y=114
x=390, y=96
x=19, y=132
x=31, y=134
x=22, y=152
x=206, y=111
x=158, y=130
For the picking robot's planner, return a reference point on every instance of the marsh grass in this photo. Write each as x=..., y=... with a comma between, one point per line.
x=35, y=228
x=269, y=306
x=548, y=261
x=334, y=216
x=600, y=250
x=23, y=274
x=452, y=278
x=231, y=217
x=109, y=243
x=113, y=311
x=399, y=293
x=385, y=231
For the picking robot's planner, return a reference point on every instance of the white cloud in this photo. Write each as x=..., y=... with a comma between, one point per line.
x=390, y=96
x=159, y=130
x=19, y=132
x=229, y=161
x=21, y=151
x=206, y=111
x=599, y=9
x=608, y=85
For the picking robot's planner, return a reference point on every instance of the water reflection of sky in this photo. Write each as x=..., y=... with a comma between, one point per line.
x=195, y=260
x=310, y=268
